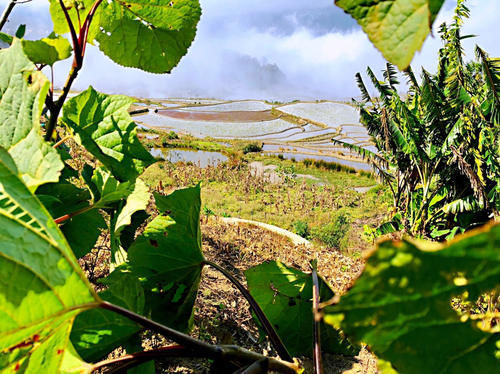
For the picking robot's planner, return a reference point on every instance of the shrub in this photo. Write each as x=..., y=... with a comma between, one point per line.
x=252, y=147
x=332, y=234
x=172, y=135
x=301, y=228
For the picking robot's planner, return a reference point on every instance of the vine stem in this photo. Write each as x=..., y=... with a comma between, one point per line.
x=266, y=324
x=224, y=353
x=5, y=15
x=318, y=364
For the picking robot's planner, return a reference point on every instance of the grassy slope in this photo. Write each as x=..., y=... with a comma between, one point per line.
x=232, y=190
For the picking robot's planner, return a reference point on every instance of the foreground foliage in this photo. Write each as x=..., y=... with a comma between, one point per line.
x=55, y=204
x=402, y=304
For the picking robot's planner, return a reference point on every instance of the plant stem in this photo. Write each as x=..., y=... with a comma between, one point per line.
x=318, y=365
x=79, y=44
x=226, y=353
x=266, y=324
x=71, y=215
x=61, y=142
x=5, y=15
x=134, y=359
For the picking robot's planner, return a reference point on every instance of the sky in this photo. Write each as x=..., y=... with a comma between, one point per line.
x=261, y=49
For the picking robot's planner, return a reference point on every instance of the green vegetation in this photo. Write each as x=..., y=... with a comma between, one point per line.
x=401, y=305
x=438, y=145
x=421, y=307
x=390, y=22
x=252, y=147
x=234, y=189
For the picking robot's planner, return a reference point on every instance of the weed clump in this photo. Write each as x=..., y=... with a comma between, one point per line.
x=334, y=233
x=301, y=228
x=252, y=147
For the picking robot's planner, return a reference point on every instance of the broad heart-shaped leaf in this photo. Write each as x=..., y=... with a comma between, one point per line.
x=104, y=127
x=398, y=28
x=168, y=259
x=46, y=51
x=285, y=296
x=401, y=305
x=42, y=287
x=22, y=94
x=82, y=242
x=149, y=35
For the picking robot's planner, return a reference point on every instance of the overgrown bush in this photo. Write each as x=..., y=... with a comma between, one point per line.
x=332, y=234
x=252, y=148
x=301, y=228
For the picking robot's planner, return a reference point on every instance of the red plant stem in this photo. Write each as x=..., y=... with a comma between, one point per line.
x=84, y=33
x=318, y=365
x=134, y=359
x=74, y=37
x=79, y=47
x=227, y=353
x=71, y=215
x=266, y=324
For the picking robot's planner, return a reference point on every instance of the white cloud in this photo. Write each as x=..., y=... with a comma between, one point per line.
x=316, y=47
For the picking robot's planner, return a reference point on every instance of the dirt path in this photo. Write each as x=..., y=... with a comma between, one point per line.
x=296, y=239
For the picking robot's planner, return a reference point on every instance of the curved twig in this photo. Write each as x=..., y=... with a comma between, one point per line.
x=266, y=324
x=5, y=15
x=226, y=353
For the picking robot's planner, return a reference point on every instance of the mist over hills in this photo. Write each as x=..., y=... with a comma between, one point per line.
x=275, y=50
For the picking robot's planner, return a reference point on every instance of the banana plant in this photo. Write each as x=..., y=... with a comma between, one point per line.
x=437, y=145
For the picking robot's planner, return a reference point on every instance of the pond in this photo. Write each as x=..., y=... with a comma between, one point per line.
x=200, y=158
x=301, y=156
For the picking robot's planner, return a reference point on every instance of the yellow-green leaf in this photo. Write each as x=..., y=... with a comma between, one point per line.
x=398, y=28
x=42, y=287
x=401, y=305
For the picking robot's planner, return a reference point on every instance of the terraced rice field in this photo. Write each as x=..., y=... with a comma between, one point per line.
x=329, y=113
x=299, y=130
x=223, y=116
x=215, y=129
x=245, y=105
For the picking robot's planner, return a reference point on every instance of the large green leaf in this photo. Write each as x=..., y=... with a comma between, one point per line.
x=43, y=287
x=47, y=51
x=83, y=242
x=401, y=305
x=150, y=35
x=168, y=258
x=97, y=332
x=397, y=28
x=285, y=296
x=22, y=95
x=104, y=127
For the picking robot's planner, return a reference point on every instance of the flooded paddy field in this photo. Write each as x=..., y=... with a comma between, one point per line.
x=202, y=159
x=298, y=130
